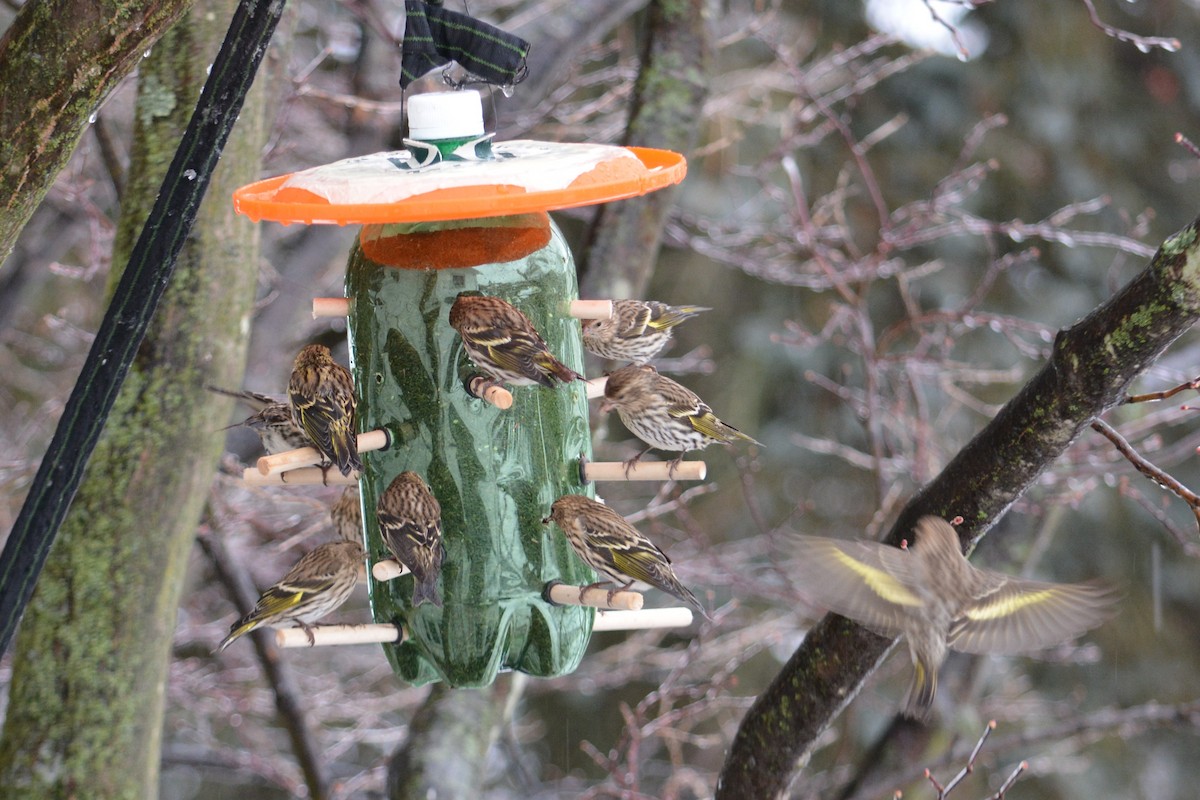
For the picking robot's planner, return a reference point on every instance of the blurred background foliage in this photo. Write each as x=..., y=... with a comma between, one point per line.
x=889, y=238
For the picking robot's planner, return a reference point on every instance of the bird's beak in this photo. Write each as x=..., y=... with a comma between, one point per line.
x=606, y=407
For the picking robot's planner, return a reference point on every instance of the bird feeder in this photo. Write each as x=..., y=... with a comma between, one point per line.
x=453, y=213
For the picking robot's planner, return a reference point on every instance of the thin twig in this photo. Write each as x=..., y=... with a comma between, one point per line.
x=1187, y=144
x=1194, y=383
x=1010, y=780
x=1146, y=468
x=1143, y=43
x=967, y=769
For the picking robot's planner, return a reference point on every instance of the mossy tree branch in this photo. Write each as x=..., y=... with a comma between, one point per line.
x=1089, y=369
x=58, y=60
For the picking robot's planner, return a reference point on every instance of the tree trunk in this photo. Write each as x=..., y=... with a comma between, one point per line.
x=445, y=755
x=672, y=86
x=85, y=709
x=58, y=60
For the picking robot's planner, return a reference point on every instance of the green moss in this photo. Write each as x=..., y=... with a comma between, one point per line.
x=1180, y=242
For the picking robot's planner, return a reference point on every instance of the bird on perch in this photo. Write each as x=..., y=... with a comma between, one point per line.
x=664, y=414
x=637, y=331
x=315, y=586
x=323, y=403
x=410, y=522
x=503, y=343
x=271, y=420
x=611, y=546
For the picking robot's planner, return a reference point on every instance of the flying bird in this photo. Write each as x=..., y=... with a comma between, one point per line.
x=932, y=595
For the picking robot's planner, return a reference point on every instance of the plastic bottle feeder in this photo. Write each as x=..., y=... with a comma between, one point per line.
x=456, y=213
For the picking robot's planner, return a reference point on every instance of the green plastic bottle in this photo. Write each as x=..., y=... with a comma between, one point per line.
x=495, y=472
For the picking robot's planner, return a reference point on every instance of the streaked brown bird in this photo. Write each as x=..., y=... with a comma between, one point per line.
x=664, y=414
x=932, y=595
x=271, y=420
x=316, y=585
x=321, y=393
x=346, y=515
x=637, y=331
x=503, y=343
x=615, y=549
x=410, y=522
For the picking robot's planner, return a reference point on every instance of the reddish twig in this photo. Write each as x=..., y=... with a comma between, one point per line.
x=1148, y=469
x=1148, y=397
x=966, y=770
x=1143, y=43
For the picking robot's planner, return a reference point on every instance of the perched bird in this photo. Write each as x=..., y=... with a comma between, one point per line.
x=503, y=343
x=930, y=593
x=637, y=331
x=271, y=420
x=346, y=514
x=315, y=586
x=615, y=549
x=410, y=522
x=321, y=392
x=664, y=414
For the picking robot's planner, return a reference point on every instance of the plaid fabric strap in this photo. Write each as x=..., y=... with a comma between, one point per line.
x=434, y=36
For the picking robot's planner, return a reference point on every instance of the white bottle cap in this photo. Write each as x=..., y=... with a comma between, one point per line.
x=445, y=115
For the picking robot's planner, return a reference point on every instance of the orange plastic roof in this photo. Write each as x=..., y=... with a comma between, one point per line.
x=651, y=170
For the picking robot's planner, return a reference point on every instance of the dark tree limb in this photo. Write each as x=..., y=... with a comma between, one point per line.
x=288, y=702
x=1089, y=369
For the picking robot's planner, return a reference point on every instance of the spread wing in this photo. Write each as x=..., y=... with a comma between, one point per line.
x=865, y=581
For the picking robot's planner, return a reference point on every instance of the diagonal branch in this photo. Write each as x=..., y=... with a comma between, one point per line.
x=1089, y=369
x=277, y=672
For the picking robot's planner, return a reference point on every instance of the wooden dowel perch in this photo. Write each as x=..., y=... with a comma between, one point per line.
x=643, y=471
x=591, y=309
x=566, y=595
x=330, y=307
x=645, y=619
x=489, y=391
x=338, y=634
x=308, y=456
x=388, y=570
x=595, y=387
x=305, y=476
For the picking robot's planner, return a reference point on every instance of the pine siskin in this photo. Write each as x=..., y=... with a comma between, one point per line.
x=321, y=392
x=664, y=414
x=615, y=549
x=410, y=522
x=503, y=343
x=637, y=331
x=930, y=593
x=315, y=586
x=272, y=421
x=346, y=514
